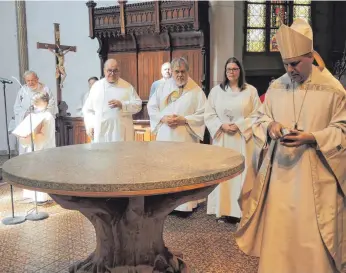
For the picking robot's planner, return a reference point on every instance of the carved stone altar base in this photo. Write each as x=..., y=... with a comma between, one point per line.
x=126, y=190
x=129, y=232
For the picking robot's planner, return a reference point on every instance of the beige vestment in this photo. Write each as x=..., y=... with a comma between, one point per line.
x=227, y=107
x=295, y=218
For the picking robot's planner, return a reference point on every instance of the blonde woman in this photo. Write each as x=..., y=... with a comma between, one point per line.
x=228, y=119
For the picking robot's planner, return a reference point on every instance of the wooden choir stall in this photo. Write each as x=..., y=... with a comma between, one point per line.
x=141, y=37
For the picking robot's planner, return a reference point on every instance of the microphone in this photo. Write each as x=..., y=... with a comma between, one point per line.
x=3, y=80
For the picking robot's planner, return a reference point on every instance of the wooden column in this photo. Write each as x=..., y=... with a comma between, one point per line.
x=122, y=4
x=91, y=6
x=22, y=38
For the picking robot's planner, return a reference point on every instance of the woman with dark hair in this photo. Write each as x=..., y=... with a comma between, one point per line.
x=228, y=119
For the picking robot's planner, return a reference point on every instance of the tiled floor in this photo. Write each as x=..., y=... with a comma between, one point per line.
x=66, y=236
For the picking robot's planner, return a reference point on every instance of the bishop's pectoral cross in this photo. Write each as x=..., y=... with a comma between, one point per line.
x=59, y=51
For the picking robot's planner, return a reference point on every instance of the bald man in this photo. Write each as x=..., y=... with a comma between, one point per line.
x=109, y=107
x=166, y=73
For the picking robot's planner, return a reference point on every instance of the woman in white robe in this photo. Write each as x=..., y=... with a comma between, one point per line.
x=228, y=119
x=43, y=128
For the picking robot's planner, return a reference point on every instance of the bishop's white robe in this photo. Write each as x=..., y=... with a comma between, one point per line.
x=111, y=124
x=189, y=104
x=227, y=107
x=24, y=101
x=295, y=218
x=46, y=140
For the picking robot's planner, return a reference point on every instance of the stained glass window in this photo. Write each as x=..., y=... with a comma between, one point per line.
x=263, y=19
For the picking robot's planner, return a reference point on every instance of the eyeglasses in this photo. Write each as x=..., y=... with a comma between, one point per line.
x=113, y=71
x=229, y=70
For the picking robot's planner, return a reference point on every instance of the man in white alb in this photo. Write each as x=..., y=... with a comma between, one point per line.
x=24, y=100
x=109, y=107
x=176, y=111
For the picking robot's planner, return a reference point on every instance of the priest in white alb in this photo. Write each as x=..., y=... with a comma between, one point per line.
x=109, y=107
x=176, y=111
x=24, y=100
x=295, y=218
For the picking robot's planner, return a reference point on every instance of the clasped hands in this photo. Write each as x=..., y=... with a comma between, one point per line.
x=115, y=104
x=173, y=121
x=294, y=138
x=229, y=128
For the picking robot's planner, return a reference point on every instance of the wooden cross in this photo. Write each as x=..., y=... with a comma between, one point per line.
x=59, y=51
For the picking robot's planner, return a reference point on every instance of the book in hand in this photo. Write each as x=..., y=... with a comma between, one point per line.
x=24, y=130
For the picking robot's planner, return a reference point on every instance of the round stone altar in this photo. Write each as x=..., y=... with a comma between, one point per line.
x=122, y=168
x=126, y=190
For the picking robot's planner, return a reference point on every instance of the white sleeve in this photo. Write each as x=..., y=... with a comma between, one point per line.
x=88, y=110
x=211, y=119
x=154, y=111
x=134, y=104
x=17, y=108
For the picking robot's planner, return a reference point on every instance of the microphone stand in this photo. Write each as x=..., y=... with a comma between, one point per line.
x=36, y=216
x=12, y=220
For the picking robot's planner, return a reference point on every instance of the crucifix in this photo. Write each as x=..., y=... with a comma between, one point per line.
x=59, y=51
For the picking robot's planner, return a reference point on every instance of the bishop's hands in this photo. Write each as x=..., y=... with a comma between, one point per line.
x=292, y=137
x=275, y=130
x=297, y=138
x=174, y=121
x=229, y=128
x=115, y=104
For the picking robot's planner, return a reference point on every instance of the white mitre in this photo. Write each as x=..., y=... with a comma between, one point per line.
x=297, y=40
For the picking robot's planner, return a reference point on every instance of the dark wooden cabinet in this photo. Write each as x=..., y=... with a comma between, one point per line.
x=141, y=37
x=70, y=131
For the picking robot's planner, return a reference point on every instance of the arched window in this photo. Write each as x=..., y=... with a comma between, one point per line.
x=263, y=18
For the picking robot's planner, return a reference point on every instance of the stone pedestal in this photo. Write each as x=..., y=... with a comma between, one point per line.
x=129, y=232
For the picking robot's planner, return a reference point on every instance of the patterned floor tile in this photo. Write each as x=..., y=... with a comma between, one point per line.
x=52, y=245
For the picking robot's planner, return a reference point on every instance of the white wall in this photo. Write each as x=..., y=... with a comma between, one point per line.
x=8, y=65
x=74, y=30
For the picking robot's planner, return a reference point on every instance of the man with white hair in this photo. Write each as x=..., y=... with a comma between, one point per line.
x=176, y=111
x=24, y=99
x=109, y=107
x=295, y=217
x=166, y=72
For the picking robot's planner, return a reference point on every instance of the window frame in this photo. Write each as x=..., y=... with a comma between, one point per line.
x=267, y=28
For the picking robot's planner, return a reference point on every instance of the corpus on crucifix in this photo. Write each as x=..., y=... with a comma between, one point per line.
x=59, y=52
x=60, y=69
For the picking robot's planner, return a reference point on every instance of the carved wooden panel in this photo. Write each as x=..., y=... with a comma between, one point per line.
x=128, y=67
x=195, y=60
x=149, y=70
x=145, y=31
